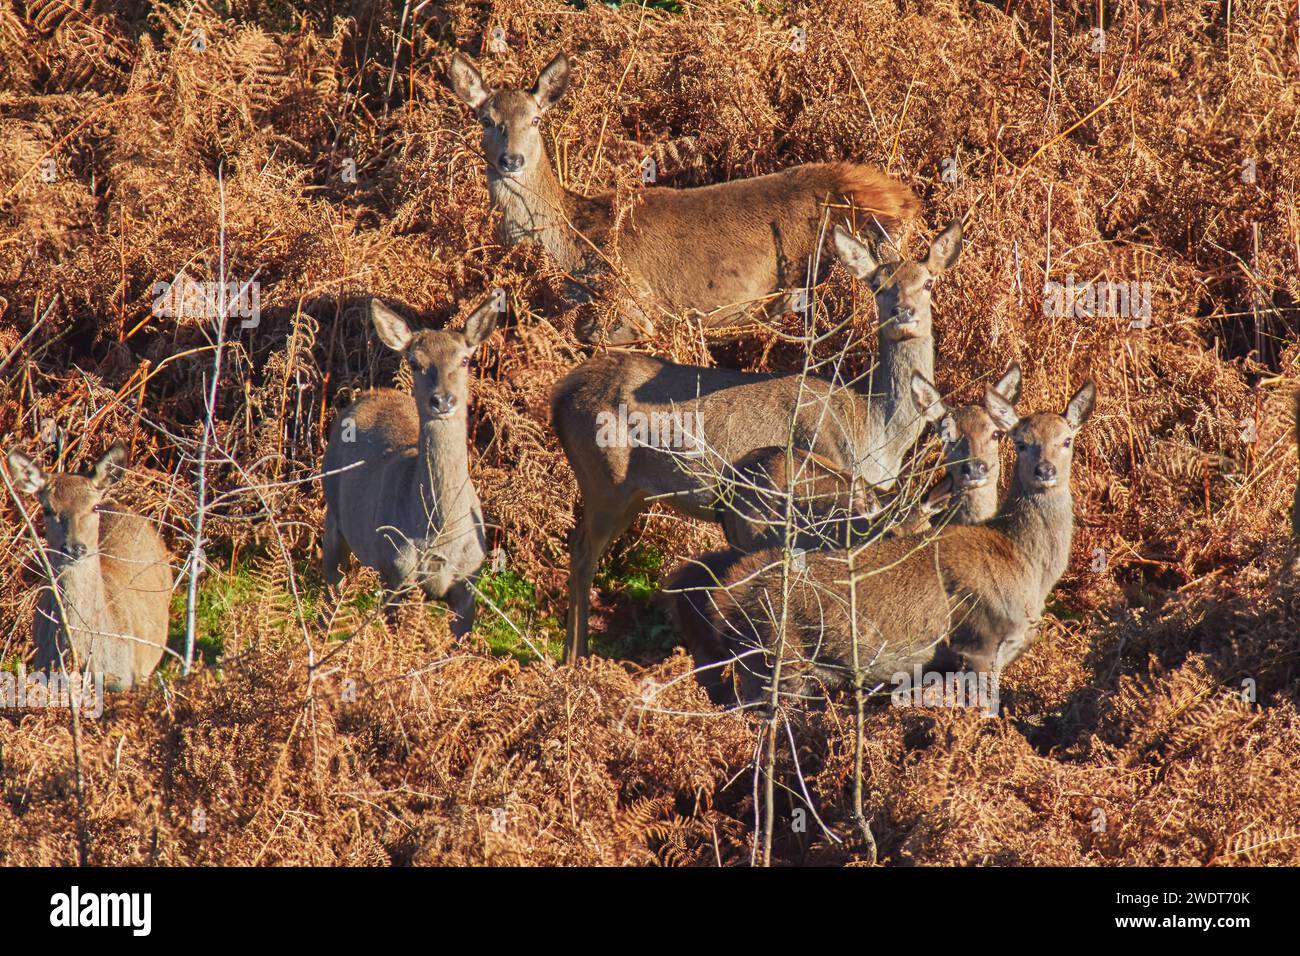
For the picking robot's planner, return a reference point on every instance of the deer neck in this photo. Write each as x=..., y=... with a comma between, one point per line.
x=535, y=207
x=977, y=505
x=891, y=398
x=444, y=494
x=1041, y=524
x=80, y=587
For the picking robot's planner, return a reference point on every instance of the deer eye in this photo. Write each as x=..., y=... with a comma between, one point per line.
x=537, y=120
x=997, y=434
x=1067, y=442
x=929, y=284
x=464, y=362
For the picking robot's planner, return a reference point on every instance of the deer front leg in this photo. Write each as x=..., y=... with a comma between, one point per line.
x=592, y=536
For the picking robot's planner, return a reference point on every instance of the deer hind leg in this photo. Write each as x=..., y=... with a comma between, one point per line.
x=592, y=536
x=460, y=601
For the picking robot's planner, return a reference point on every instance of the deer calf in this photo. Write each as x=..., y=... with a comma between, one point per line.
x=397, y=489
x=717, y=250
x=720, y=415
x=825, y=507
x=110, y=598
x=968, y=597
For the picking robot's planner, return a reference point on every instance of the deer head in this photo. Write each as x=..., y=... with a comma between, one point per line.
x=439, y=360
x=70, y=502
x=1045, y=441
x=511, y=119
x=901, y=289
x=970, y=435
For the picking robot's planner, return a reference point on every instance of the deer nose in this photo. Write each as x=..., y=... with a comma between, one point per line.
x=975, y=471
x=443, y=404
x=511, y=162
x=904, y=315
x=77, y=551
x=1045, y=471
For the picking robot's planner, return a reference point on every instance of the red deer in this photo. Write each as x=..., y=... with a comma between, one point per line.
x=110, y=599
x=971, y=595
x=863, y=430
x=718, y=251
x=397, y=489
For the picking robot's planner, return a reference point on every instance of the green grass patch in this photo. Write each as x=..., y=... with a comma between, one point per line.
x=217, y=595
x=641, y=630
x=515, y=614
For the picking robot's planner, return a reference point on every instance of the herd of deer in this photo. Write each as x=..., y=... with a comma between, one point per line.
x=826, y=581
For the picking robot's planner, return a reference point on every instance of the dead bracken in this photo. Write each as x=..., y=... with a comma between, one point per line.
x=1154, y=723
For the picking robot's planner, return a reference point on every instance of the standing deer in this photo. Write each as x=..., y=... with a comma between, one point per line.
x=971, y=595
x=717, y=250
x=826, y=508
x=397, y=489
x=111, y=593
x=865, y=433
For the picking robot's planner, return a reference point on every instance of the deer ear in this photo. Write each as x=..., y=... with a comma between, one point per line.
x=1000, y=410
x=936, y=499
x=854, y=253
x=1080, y=407
x=109, y=469
x=468, y=82
x=480, y=325
x=1008, y=385
x=552, y=82
x=392, y=328
x=26, y=473
x=927, y=399
x=946, y=249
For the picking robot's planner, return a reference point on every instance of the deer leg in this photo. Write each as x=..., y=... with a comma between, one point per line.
x=460, y=601
x=591, y=537
x=334, y=555
x=395, y=588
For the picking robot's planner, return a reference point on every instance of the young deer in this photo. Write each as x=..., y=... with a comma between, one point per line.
x=397, y=489
x=717, y=250
x=863, y=433
x=828, y=509
x=967, y=596
x=112, y=589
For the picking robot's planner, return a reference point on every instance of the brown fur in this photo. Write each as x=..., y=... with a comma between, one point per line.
x=112, y=574
x=719, y=251
x=830, y=509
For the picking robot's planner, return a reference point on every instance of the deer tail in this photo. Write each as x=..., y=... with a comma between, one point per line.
x=875, y=194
